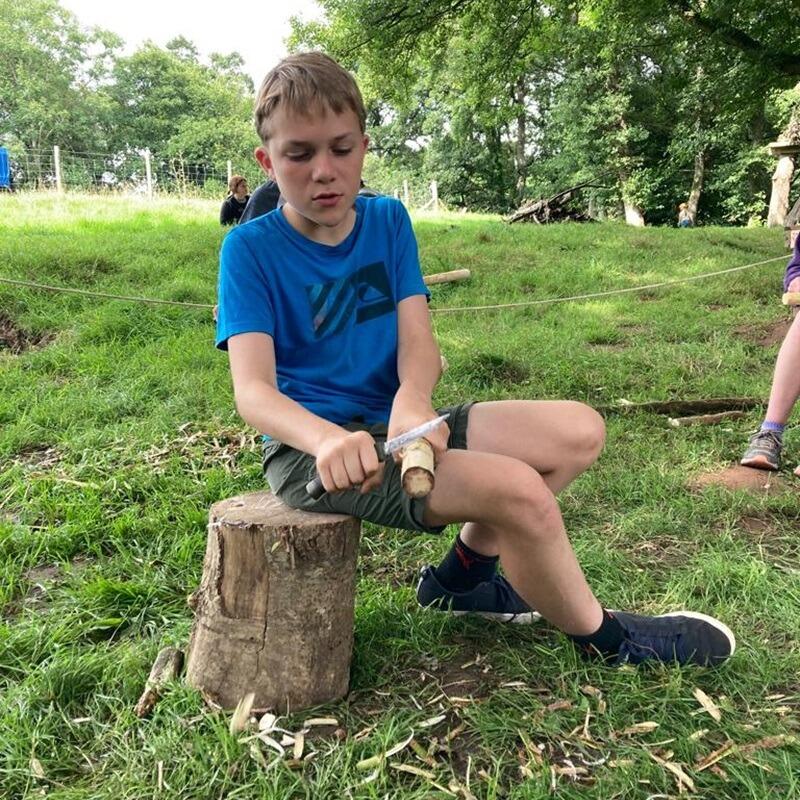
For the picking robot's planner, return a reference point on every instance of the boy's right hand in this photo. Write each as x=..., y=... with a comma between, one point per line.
x=347, y=460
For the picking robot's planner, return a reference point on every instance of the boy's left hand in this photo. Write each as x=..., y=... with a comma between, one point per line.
x=411, y=409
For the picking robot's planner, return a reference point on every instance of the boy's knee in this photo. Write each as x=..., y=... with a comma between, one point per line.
x=527, y=497
x=587, y=434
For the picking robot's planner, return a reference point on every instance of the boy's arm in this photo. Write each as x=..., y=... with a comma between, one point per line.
x=344, y=459
x=419, y=366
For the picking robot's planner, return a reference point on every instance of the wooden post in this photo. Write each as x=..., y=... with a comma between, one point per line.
x=274, y=611
x=57, y=168
x=435, y=195
x=405, y=193
x=148, y=173
x=785, y=152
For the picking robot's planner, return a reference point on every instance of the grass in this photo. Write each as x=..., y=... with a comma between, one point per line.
x=117, y=432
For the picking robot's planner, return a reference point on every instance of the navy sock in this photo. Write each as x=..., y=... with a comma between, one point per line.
x=606, y=639
x=463, y=569
x=775, y=427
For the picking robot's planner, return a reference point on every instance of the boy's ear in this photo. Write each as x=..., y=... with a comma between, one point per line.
x=265, y=162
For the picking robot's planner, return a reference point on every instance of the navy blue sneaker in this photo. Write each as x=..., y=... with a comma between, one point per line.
x=685, y=637
x=493, y=599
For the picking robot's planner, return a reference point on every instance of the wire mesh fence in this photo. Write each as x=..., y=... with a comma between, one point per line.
x=148, y=174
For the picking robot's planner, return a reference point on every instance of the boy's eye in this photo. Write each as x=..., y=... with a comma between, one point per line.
x=297, y=156
x=342, y=151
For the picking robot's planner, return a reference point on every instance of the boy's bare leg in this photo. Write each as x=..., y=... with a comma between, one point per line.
x=508, y=500
x=786, y=380
x=510, y=505
x=560, y=439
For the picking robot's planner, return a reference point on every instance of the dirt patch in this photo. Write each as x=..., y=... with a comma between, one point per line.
x=716, y=306
x=737, y=477
x=764, y=335
x=37, y=457
x=662, y=552
x=15, y=339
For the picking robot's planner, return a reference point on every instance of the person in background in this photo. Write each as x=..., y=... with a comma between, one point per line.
x=764, y=449
x=264, y=199
x=684, y=217
x=234, y=204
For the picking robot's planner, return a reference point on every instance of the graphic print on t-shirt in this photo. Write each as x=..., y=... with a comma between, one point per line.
x=365, y=295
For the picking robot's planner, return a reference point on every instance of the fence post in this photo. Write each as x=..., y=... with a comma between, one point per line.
x=57, y=167
x=230, y=171
x=435, y=195
x=148, y=173
x=405, y=192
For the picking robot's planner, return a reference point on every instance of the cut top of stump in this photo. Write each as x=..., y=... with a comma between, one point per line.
x=264, y=508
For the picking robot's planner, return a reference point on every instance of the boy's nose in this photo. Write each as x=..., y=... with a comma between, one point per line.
x=323, y=169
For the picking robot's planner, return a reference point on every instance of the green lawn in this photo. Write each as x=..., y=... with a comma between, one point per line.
x=117, y=432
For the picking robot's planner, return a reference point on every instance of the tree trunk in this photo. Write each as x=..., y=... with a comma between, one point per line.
x=697, y=183
x=274, y=611
x=781, y=184
x=520, y=158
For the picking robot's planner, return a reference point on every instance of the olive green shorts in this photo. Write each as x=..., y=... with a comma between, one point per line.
x=288, y=471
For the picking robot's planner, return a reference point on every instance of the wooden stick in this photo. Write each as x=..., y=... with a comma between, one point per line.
x=678, y=407
x=416, y=475
x=705, y=419
x=791, y=298
x=447, y=277
x=167, y=667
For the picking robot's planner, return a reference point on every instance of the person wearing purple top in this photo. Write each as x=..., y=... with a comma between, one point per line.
x=765, y=445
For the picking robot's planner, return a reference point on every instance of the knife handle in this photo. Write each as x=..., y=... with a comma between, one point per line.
x=314, y=487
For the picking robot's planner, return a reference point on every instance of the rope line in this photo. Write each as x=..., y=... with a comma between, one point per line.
x=609, y=293
x=67, y=290
x=452, y=310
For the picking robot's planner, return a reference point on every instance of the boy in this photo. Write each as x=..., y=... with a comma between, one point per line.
x=324, y=315
x=764, y=449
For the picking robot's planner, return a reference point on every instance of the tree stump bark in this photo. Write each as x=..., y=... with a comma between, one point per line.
x=274, y=611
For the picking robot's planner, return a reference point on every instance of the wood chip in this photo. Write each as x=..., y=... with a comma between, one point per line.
x=767, y=743
x=708, y=704
x=321, y=721
x=558, y=705
x=299, y=744
x=241, y=715
x=270, y=742
x=267, y=722
x=412, y=770
x=717, y=755
x=429, y=723
x=683, y=779
x=698, y=734
x=638, y=728
x=37, y=769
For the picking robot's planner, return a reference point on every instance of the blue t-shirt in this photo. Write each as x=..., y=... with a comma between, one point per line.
x=330, y=310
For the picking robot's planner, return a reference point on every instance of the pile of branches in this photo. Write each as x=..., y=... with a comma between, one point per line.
x=553, y=209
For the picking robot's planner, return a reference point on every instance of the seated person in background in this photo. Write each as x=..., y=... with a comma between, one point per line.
x=234, y=204
x=684, y=217
x=764, y=449
x=263, y=200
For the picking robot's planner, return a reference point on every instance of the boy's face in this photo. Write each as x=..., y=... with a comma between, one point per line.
x=316, y=161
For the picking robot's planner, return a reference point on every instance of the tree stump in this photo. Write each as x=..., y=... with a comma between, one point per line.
x=274, y=611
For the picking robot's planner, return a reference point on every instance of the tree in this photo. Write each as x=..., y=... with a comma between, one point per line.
x=52, y=75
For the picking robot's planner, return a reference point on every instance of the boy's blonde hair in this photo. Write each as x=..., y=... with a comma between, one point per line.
x=304, y=83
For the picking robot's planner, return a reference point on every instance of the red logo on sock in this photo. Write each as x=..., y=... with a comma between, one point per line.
x=465, y=560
